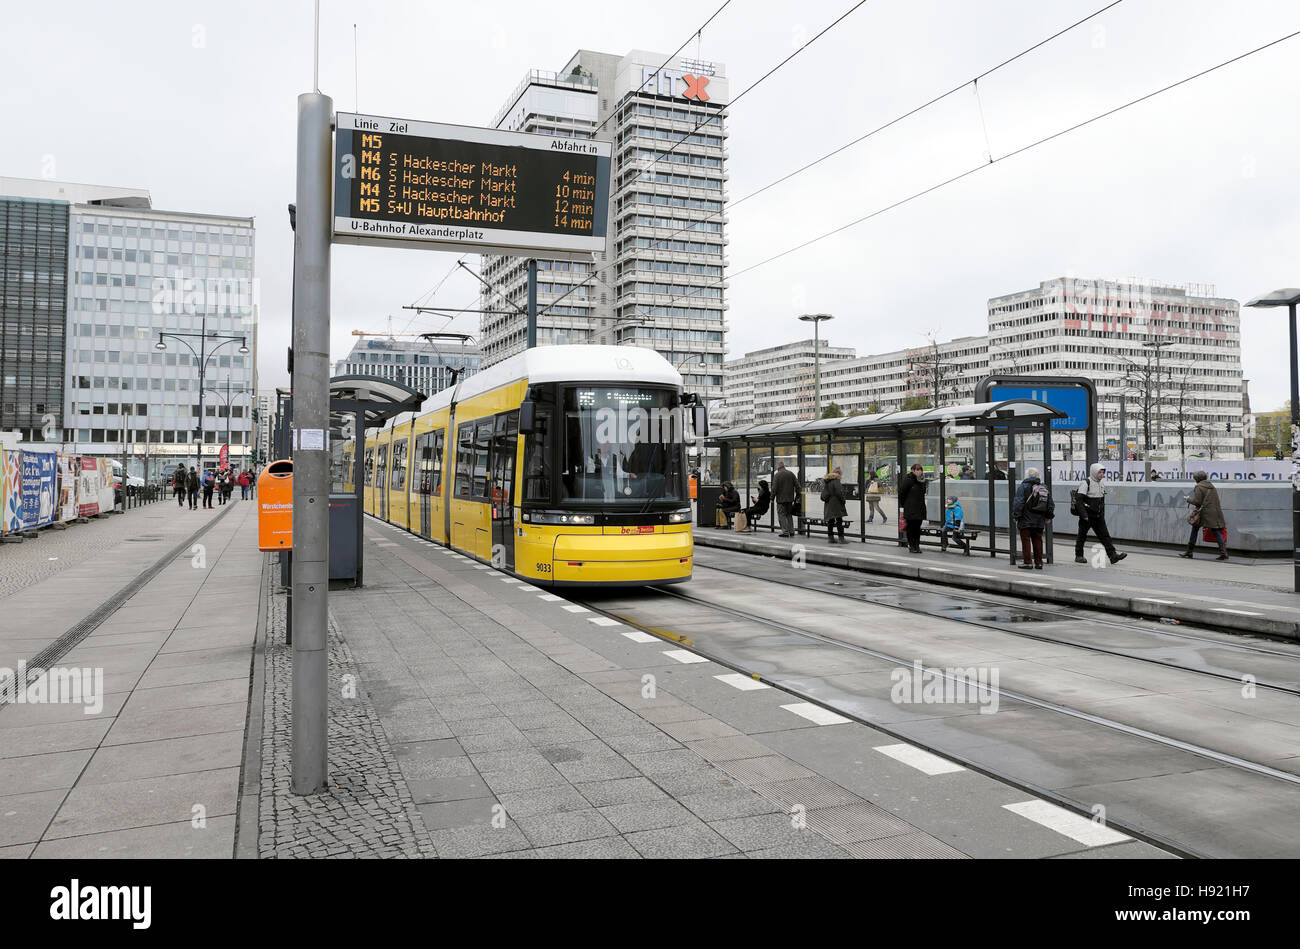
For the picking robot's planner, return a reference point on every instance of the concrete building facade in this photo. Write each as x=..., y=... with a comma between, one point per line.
x=426, y=366
x=778, y=383
x=659, y=282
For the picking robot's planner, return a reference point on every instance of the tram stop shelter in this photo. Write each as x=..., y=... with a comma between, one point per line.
x=357, y=404
x=886, y=445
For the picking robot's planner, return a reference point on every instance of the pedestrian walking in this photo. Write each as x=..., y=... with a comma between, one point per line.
x=873, y=495
x=1033, y=508
x=227, y=486
x=209, y=485
x=180, y=478
x=785, y=491
x=243, y=485
x=834, y=510
x=1206, y=516
x=911, y=506
x=1088, y=503
x=192, y=488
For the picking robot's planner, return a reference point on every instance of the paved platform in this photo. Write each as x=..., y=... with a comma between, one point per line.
x=1244, y=596
x=152, y=767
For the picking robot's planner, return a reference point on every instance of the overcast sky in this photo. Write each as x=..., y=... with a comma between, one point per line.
x=196, y=103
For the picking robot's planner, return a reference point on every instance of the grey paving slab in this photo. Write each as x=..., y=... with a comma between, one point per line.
x=478, y=840
x=164, y=756
x=460, y=813
x=132, y=726
x=24, y=817
x=194, y=695
x=563, y=827
x=628, y=818
x=58, y=736
x=621, y=791
x=689, y=841
x=17, y=852
x=452, y=788
x=42, y=772
x=599, y=848
x=26, y=715
x=165, y=799
x=178, y=841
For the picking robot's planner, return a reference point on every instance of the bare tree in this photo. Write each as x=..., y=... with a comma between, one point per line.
x=930, y=375
x=1183, y=421
x=1149, y=375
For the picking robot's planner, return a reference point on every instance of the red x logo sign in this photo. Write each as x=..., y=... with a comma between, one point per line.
x=695, y=87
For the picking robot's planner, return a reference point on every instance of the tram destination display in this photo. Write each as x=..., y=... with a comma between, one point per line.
x=453, y=187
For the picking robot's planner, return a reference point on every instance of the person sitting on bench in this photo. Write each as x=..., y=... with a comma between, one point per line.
x=728, y=501
x=954, y=523
x=759, y=507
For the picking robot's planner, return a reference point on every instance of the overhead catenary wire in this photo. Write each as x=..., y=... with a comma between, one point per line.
x=847, y=145
x=983, y=165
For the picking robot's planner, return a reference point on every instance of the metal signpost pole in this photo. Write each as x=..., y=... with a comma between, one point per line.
x=311, y=288
x=532, y=305
x=1295, y=455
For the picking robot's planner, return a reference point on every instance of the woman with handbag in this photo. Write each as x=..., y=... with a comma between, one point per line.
x=874, y=491
x=1206, y=516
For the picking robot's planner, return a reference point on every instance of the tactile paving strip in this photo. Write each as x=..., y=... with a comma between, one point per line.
x=810, y=793
x=752, y=771
x=858, y=822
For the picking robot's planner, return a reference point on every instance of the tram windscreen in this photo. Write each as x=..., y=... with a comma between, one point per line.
x=622, y=445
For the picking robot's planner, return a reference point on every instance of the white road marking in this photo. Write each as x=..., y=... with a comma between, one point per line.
x=815, y=714
x=1068, y=823
x=897, y=563
x=640, y=637
x=1224, y=609
x=604, y=621
x=1031, y=583
x=683, y=655
x=1086, y=590
x=1152, y=599
x=575, y=608
x=982, y=576
x=742, y=682
x=919, y=759
x=481, y=566
x=550, y=598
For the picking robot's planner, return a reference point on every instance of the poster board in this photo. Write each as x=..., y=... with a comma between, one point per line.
x=39, y=483
x=11, y=481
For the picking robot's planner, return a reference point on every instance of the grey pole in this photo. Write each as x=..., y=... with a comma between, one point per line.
x=531, y=341
x=311, y=341
x=817, y=370
x=1295, y=456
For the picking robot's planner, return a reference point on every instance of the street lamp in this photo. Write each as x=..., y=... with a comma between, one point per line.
x=1289, y=297
x=1159, y=345
x=816, y=320
x=202, y=357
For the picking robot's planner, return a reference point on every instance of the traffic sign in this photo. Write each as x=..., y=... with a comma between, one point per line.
x=457, y=187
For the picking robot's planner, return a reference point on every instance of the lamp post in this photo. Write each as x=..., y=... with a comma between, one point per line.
x=1158, y=345
x=228, y=400
x=816, y=320
x=202, y=356
x=1288, y=298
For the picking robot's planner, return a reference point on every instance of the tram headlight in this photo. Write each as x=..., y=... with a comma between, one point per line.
x=680, y=517
x=559, y=517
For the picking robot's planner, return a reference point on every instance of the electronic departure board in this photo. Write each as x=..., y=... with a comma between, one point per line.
x=454, y=187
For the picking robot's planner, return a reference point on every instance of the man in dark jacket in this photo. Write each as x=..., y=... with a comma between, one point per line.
x=834, y=510
x=1205, y=499
x=911, y=504
x=785, y=488
x=192, y=488
x=180, y=477
x=1092, y=515
x=1032, y=509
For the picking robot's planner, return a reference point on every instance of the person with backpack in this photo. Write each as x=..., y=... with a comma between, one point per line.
x=834, y=510
x=911, y=506
x=243, y=485
x=1032, y=509
x=1207, y=516
x=192, y=488
x=1088, y=504
x=180, y=477
x=209, y=485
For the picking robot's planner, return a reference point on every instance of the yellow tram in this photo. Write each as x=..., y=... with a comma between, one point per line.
x=563, y=465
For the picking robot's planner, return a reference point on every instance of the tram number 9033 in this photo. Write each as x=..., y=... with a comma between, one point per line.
x=543, y=568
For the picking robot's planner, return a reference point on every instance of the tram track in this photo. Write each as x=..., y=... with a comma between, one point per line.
x=962, y=600
x=1183, y=833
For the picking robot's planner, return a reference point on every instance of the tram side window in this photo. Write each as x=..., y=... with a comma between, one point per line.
x=537, y=461
x=464, y=458
x=399, y=465
x=368, y=467
x=423, y=462
x=482, y=441
x=381, y=466
x=503, y=461
x=435, y=479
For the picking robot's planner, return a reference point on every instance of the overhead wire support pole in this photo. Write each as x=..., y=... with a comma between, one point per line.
x=311, y=340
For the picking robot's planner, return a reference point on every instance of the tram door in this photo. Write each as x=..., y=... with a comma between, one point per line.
x=505, y=438
x=424, y=481
x=381, y=483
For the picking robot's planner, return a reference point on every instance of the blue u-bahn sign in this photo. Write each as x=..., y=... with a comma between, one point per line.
x=1073, y=400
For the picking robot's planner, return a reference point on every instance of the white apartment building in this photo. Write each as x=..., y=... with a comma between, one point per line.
x=885, y=381
x=659, y=282
x=134, y=273
x=426, y=366
x=1171, y=352
x=1170, y=355
x=779, y=383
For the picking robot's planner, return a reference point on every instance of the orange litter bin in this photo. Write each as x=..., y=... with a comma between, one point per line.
x=275, y=506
